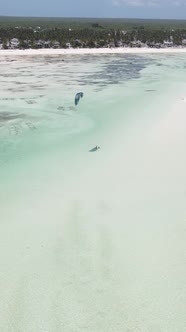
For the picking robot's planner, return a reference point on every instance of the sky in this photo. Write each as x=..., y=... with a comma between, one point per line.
x=161, y=9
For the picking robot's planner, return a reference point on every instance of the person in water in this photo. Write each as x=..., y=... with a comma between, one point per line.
x=95, y=148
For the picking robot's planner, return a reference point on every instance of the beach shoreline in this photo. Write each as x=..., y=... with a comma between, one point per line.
x=92, y=51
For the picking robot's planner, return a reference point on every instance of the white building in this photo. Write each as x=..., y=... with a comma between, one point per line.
x=168, y=43
x=14, y=43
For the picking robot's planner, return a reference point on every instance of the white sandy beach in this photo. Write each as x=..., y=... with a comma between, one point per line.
x=93, y=242
x=119, y=50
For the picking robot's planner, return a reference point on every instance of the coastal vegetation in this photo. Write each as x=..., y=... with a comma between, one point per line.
x=27, y=32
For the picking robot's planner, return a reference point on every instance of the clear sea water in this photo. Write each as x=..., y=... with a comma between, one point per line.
x=93, y=241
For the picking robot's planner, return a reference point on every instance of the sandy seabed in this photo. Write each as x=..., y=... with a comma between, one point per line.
x=97, y=244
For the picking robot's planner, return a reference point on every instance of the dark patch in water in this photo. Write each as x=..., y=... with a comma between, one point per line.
x=35, y=97
x=72, y=108
x=61, y=108
x=30, y=125
x=115, y=71
x=16, y=90
x=7, y=98
x=15, y=129
x=8, y=116
x=31, y=102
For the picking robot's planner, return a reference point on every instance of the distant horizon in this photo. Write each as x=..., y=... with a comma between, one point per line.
x=95, y=18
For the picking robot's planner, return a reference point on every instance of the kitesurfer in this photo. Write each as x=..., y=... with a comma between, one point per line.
x=94, y=149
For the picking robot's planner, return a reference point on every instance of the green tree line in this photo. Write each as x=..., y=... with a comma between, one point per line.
x=89, y=37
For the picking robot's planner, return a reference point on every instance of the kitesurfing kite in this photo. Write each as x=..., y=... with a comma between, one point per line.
x=77, y=97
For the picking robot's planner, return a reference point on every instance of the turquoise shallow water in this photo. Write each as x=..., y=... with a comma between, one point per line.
x=93, y=241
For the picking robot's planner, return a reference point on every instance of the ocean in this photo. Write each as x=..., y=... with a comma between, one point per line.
x=93, y=240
